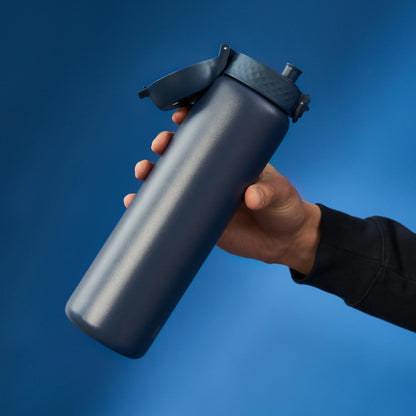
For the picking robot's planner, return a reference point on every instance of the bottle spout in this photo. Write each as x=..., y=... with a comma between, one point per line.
x=291, y=72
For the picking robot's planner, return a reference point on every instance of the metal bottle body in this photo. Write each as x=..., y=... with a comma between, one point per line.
x=179, y=213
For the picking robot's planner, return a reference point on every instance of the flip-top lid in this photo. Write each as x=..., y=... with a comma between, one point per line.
x=182, y=87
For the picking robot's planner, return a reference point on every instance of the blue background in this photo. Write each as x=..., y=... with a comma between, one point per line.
x=245, y=339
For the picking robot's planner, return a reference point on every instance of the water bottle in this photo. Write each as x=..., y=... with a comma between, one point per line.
x=239, y=116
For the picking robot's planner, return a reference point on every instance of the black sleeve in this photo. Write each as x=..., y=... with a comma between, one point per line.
x=370, y=264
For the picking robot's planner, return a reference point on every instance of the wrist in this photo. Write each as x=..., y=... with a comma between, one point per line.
x=301, y=252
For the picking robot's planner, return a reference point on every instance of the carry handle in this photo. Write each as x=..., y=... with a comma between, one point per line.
x=182, y=87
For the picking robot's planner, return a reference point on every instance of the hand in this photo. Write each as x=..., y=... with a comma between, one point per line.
x=273, y=224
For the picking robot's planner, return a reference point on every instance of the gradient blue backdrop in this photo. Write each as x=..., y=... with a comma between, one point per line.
x=245, y=339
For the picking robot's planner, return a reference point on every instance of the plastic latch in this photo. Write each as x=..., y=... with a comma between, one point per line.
x=302, y=106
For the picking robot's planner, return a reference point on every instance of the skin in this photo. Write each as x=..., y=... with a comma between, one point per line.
x=273, y=224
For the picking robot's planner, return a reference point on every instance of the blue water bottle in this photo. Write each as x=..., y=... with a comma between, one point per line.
x=240, y=115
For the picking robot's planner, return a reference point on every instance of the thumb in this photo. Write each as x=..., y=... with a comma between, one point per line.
x=272, y=190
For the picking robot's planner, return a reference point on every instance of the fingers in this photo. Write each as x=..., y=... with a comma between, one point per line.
x=271, y=189
x=179, y=115
x=142, y=169
x=161, y=142
x=128, y=199
x=159, y=145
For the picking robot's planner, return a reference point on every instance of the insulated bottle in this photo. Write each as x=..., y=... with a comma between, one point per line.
x=239, y=116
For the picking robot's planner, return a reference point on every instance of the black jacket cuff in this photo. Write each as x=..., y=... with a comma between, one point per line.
x=348, y=258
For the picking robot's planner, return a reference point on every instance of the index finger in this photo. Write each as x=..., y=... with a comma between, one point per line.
x=179, y=115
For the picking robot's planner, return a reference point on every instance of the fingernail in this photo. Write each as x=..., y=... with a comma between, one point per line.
x=259, y=196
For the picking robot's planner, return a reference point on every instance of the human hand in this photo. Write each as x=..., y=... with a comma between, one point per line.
x=273, y=224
